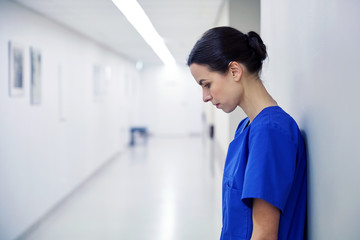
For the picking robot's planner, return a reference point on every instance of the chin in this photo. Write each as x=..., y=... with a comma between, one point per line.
x=227, y=110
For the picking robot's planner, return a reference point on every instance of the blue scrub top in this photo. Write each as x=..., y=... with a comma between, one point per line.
x=266, y=160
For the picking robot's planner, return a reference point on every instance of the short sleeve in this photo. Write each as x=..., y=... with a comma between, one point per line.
x=270, y=169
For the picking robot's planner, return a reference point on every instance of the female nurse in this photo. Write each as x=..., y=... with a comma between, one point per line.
x=264, y=180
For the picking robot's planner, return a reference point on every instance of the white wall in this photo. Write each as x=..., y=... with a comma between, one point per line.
x=313, y=73
x=43, y=156
x=245, y=15
x=170, y=101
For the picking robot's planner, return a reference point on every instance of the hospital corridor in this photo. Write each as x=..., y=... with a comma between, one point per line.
x=118, y=119
x=163, y=189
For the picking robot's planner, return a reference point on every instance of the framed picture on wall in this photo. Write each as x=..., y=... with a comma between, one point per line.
x=35, y=86
x=99, y=82
x=16, y=69
x=61, y=95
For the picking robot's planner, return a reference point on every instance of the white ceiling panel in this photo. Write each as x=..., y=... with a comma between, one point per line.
x=179, y=22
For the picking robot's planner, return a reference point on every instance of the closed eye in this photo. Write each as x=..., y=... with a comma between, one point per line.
x=207, y=85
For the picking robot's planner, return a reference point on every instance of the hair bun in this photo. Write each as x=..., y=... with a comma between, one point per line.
x=256, y=43
x=220, y=45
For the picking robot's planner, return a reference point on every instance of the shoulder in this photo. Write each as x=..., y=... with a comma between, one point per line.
x=274, y=121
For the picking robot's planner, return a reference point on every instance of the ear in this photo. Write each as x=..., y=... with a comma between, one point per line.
x=236, y=70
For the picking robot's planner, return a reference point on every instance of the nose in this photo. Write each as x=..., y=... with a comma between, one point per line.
x=206, y=95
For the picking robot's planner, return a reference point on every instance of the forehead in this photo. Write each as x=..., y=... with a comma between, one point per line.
x=200, y=71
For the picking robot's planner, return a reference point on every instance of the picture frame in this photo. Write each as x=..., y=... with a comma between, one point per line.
x=16, y=69
x=62, y=103
x=97, y=80
x=100, y=77
x=35, y=86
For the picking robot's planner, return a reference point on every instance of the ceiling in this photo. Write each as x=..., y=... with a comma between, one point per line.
x=179, y=22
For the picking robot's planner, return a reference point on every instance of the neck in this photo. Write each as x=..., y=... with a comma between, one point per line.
x=255, y=98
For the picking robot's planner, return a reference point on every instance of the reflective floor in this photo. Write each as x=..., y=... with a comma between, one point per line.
x=165, y=189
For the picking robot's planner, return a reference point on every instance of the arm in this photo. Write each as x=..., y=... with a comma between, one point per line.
x=265, y=220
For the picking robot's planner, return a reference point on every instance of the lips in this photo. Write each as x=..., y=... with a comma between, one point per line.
x=217, y=105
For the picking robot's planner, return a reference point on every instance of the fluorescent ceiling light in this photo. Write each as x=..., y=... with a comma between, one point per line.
x=136, y=15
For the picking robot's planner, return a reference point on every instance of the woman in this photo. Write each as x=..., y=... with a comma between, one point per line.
x=264, y=181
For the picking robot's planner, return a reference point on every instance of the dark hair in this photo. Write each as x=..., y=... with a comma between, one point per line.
x=220, y=45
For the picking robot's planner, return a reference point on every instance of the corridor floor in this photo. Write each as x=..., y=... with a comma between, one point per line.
x=165, y=189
